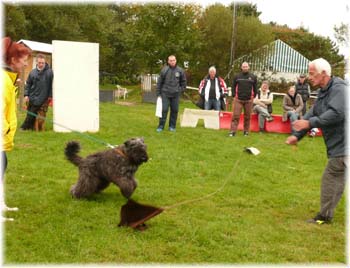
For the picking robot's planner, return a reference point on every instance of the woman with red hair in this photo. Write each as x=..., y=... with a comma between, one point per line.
x=14, y=57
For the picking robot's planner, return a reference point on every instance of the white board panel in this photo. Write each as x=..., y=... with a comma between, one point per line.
x=76, y=86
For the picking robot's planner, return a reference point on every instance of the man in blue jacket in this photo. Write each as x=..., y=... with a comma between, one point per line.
x=328, y=113
x=38, y=91
x=170, y=84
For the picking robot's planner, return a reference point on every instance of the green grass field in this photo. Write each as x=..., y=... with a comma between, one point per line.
x=257, y=218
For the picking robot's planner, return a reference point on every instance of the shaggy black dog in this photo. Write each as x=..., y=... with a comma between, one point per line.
x=98, y=170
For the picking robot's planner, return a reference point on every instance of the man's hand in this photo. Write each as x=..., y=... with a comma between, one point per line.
x=292, y=140
x=260, y=103
x=301, y=124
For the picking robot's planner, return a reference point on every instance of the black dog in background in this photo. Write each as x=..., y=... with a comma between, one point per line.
x=117, y=165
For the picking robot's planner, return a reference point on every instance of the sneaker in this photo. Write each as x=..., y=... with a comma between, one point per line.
x=172, y=129
x=245, y=133
x=319, y=219
x=261, y=130
x=269, y=119
x=159, y=129
x=231, y=134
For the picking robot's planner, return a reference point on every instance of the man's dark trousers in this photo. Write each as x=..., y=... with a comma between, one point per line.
x=173, y=102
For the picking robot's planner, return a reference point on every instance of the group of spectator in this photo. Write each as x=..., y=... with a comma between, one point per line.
x=246, y=96
x=327, y=113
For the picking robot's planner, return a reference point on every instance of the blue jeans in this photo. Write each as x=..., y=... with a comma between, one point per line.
x=173, y=102
x=293, y=116
x=3, y=165
x=212, y=104
x=262, y=115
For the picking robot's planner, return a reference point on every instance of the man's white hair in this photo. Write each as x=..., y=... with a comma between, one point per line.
x=321, y=65
x=212, y=68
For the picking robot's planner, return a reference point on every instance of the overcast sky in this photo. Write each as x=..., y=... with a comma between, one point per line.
x=316, y=16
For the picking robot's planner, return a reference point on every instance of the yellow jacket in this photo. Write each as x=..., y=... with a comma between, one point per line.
x=9, y=116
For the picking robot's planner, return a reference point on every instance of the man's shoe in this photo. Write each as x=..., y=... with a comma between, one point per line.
x=261, y=130
x=159, y=129
x=172, y=129
x=231, y=134
x=319, y=219
x=245, y=133
x=269, y=119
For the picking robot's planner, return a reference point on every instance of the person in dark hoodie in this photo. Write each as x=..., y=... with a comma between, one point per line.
x=38, y=91
x=244, y=90
x=171, y=82
x=329, y=114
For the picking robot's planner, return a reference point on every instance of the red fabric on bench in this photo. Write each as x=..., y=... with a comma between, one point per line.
x=276, y=125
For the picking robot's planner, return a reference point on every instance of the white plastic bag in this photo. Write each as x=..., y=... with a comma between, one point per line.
x=159, y=107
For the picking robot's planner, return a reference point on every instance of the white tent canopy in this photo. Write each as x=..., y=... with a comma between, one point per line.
x=276, y=57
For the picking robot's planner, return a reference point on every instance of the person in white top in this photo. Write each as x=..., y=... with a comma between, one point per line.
x=263, y=105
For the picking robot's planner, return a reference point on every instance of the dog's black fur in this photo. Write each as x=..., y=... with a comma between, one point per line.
x=98, y=170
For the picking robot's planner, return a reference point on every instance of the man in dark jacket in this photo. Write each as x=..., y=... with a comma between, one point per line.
x=171, y=82
x=328, y=113
x=244, y=89
x=38, y=91
x=303, y=88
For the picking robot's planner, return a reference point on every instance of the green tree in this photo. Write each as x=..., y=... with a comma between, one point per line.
x=45, y=23
x=247, y=10
x=251, y=35
x=341, y=33
x=153, y=32
x=15, y=22
x=216, y=29
x=216, y=25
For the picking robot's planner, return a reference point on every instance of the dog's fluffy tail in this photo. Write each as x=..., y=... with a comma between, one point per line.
x=71, y=151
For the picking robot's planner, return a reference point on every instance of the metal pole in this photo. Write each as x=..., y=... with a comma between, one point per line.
x=233, y=35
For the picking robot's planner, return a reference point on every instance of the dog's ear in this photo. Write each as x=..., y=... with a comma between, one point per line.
x=127, y=143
